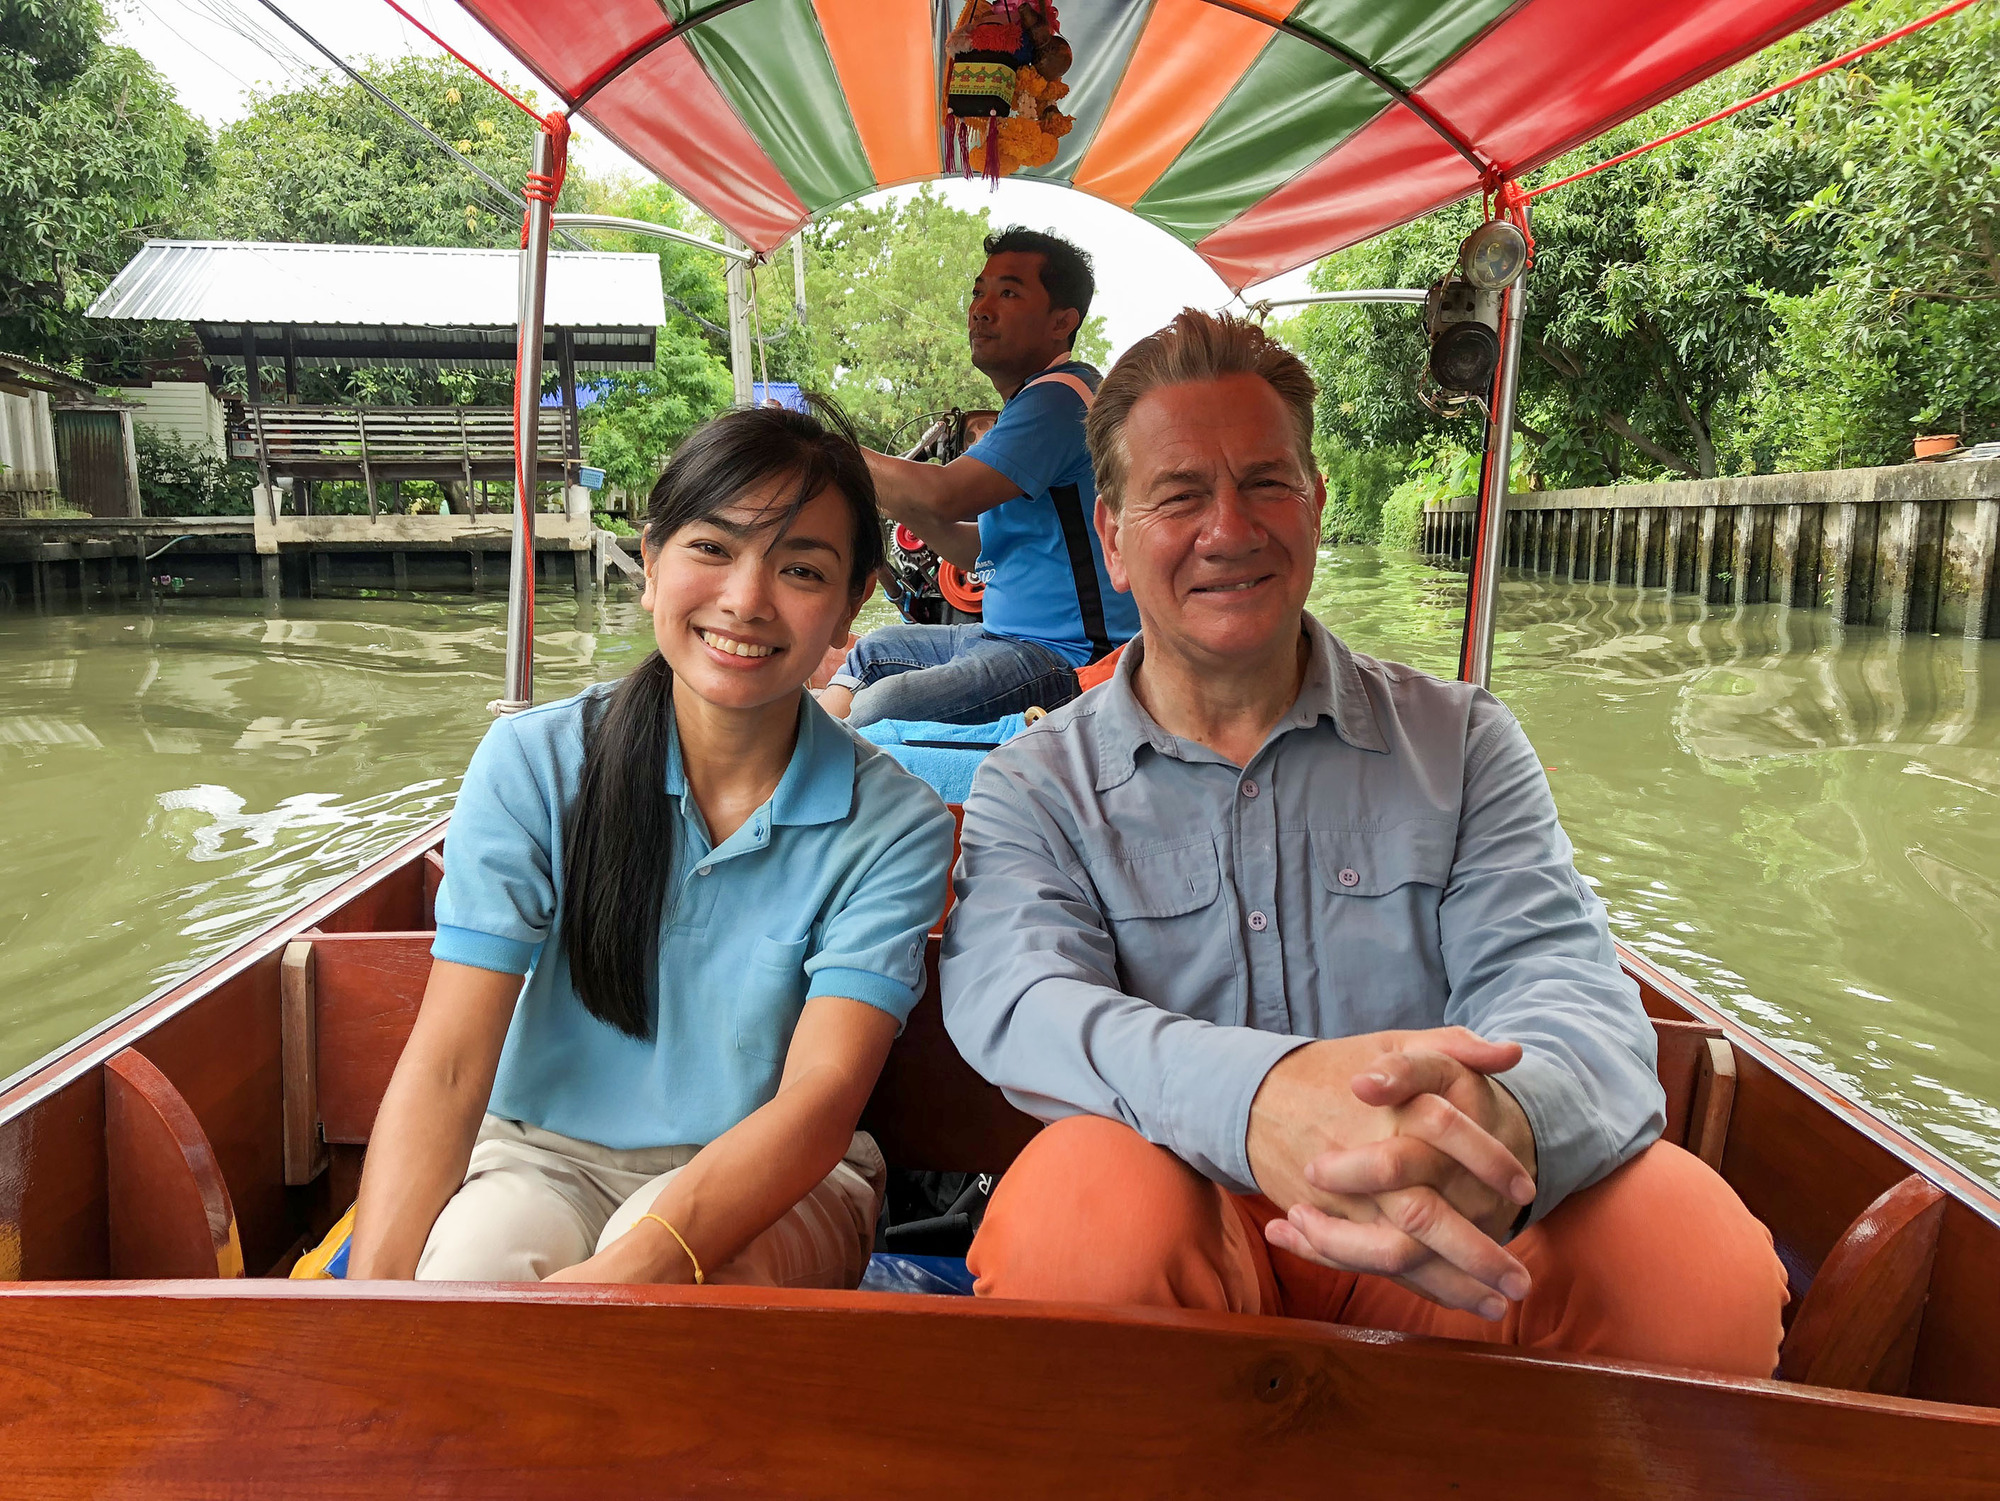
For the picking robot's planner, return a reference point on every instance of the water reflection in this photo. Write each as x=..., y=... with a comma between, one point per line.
x=1802, y=819
x=177, y=780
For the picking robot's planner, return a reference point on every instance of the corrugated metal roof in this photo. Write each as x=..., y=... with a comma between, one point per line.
x=376, y=285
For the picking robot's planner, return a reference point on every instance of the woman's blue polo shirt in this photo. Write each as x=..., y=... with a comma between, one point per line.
x=828, y=889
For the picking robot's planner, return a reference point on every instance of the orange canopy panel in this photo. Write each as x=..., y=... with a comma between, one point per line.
x=1263, y=133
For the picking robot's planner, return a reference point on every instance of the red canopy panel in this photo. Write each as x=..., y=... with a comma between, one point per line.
x=667, y=112
x=1394, y=169
x=1556, y=73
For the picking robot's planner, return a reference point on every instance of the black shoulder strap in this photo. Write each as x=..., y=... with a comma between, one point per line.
x=1083, y=566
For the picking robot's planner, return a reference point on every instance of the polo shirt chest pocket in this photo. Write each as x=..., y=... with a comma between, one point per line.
x=1169, y=929
x=1376, y=924
x=769, y=997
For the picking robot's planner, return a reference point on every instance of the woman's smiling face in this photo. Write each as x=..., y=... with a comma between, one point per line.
x=743, y=609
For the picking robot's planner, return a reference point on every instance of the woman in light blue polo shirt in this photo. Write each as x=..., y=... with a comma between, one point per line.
x=718, y=898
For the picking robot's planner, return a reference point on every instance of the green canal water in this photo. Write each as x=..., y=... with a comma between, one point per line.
x=1802, y=820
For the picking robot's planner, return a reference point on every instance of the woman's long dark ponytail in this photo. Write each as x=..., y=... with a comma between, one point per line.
x=619, y=830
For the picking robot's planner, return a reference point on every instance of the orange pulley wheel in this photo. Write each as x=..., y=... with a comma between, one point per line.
x=960, y=590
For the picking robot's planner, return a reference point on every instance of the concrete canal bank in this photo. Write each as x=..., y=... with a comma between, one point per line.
x=1912, y=548
x=61, y=563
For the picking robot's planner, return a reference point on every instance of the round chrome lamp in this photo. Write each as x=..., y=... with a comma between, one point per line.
x=1494, y=255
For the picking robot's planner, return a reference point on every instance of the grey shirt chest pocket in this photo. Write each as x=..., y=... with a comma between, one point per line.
x=1376, y=899
x=1170, y=928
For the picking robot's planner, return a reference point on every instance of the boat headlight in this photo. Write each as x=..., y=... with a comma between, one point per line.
x=1494, y=255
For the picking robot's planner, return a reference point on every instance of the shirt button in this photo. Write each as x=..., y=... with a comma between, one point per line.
x=1350, y=878
x=702, y=870
x=1249, y=788
x=1258, y=922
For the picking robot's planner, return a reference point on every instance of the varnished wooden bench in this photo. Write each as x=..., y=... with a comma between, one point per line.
x=349, y=1001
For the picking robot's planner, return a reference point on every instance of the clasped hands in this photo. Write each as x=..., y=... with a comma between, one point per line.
x=1397, y=1154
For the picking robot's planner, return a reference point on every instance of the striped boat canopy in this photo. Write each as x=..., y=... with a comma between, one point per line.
x=1263, y=133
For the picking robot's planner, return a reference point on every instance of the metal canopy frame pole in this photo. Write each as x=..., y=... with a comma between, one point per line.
x=1414, y=295
x=1482, y=588
x=741, y=370
x=527, y=442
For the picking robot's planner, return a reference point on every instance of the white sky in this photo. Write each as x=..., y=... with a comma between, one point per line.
x=1144, y=275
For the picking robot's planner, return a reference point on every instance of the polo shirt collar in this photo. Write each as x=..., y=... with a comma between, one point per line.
x=818, y=784
x=1332, y=689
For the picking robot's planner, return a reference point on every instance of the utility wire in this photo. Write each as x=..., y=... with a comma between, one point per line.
x=437, y=140
x=200, y=52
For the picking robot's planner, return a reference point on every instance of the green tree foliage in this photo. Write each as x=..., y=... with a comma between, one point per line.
x=887, y=288
x=181, y=479
x=326, y=163
x=95, y=155
x=1903, y=334
x=1806, y=285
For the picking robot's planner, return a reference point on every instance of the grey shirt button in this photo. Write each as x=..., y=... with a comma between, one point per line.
x=1258, y=922
x=1350, y=878
x=702, y=870
x=1249, y=788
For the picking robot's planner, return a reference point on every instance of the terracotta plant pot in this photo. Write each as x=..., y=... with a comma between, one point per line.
x=1931, y=447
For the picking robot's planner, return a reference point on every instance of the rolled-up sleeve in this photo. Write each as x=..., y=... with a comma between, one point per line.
x=498, y=898
x=1031, y=998
x=1530, y=960
x=872, y=949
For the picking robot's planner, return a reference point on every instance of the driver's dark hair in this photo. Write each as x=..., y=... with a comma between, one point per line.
x=619, y=830
x=1066, y=271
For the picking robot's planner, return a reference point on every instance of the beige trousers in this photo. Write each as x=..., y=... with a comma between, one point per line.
x=534, y=1202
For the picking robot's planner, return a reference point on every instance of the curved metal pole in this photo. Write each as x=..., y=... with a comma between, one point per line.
x=1264, y=305
x=657, y=231
x=1482, y=588
x=527, y=443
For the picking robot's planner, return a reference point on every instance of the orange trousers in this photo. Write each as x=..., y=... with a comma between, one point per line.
x=1659, y=1261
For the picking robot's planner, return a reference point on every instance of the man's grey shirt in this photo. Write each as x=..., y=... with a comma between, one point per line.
x=1143, y=929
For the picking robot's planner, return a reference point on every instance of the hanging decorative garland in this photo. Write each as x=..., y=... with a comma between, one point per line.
x=1006, y=62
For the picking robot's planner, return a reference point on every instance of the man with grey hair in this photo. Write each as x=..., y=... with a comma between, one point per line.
x=1289, y=945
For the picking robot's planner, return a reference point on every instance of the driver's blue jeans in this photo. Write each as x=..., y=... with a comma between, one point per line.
x=950, y=674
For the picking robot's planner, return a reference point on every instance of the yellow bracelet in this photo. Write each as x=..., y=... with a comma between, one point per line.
x=683, y=1243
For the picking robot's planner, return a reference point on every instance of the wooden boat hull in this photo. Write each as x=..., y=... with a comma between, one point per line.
x=205, y=1389
x=214, y=1387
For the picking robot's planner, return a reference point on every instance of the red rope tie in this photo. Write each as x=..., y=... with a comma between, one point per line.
x=547, y=187
x=1736, y=109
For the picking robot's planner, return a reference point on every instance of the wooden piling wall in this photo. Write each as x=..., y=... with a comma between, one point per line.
x=60, y=563
x=1915, y=547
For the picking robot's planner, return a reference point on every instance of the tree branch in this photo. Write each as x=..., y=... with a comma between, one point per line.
x=1655, y=451
x=1557, y=359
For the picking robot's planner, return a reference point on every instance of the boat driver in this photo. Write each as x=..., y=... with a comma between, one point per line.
x=1290, y=947
x=1014, y=511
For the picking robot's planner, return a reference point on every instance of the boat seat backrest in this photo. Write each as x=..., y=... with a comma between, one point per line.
x=169, y=1208
x=1697, y=1070
x=1857, y=1326
x=350, y=1000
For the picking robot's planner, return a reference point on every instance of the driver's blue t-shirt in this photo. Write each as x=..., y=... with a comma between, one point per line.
x=1038, y=554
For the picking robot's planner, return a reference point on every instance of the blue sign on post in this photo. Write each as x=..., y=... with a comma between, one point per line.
x=590, y=479
x=779, y=393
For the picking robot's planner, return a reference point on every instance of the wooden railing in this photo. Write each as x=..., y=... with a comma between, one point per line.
x=396, y=443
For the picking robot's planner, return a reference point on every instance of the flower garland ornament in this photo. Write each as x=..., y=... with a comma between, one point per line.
x=1004, y=77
